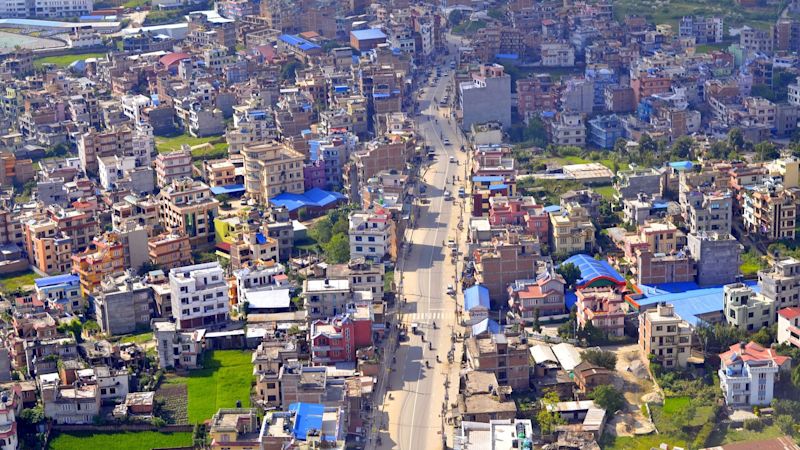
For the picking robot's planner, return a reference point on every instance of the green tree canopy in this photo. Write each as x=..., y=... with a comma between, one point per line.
x=608, y=397
x=570, y=272
x=337, y=250
x=601, y=358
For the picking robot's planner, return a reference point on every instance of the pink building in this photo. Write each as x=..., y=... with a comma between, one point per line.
x=603, y=307
x=314, y=176
x=337, y=339
x=521, y=211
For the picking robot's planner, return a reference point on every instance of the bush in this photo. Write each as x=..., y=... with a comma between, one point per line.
x=601, y=358
x=786, y=425
x=753, y=425
x=701, y=440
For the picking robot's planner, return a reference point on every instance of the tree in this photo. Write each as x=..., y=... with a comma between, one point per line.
x=91, y=327
x=547, y=419
x=682, y=148
x=601, y=358
x=786, y=425
x=322, y=230
x=337, y=250
x=455, y=17
x=608, y=397
x=766, y=335
x=796, y=376
x=718, y=150
x=767, y=151
x=73, y=327
x=736, y=139
x=32, y=416
x=570, y=272
x=536, y=326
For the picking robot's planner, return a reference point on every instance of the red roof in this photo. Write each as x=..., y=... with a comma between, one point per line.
x=266, y=52
x=172, y=58
x=790, y=313
x=752, y=352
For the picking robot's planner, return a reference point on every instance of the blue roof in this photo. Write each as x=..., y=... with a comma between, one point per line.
x=486, y=179
x=315, y=197
x=55, y=280
x=592, y=269
x=308, y=416
x=368, y=34
x=228, y=189
x=552, y=209
x=261, y=239
x=498, y=187
x=485, y=326
x=689, y=299
x=297, y=41
x=476, y=295
x=681, y=165
x=506, y=56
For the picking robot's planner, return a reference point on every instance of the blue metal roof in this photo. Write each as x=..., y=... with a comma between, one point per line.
x=486, y=179
x=689, y=299
x=261, y=239
x=552, y=209
x=228, y=189
x=506, y=56
x=476, y=296
x=486, y=326
x=368, y=34
x=315, y=197
x=498, y=187
x=308, y=416
x=55, y=280
x=681, y=165
x=592, y=269
x=297, y=41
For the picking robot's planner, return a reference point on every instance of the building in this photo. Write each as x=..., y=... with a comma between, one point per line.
x=123, y=305
x=665, y=335
x=372, y=235
x=770, y=211
x=60, y=292
x=476, y=304
x=486, y=98
x=507, y=258
x=746, y=309
x=748, y=373
x=10, y=406
x=327, y=298
x=199, y=296
x=506, y=356
x=755, y=41
x=520, y=211
x=704, y=30
x=168, y=251
x=368, y=39
x=602, y=307
x=272, y=169
x=173, y=166
x=588, y=376
x=789, y=326
x=568, y=129
x=94, y=144
x=710, y=212
x=76, y=403
x=507, y=434
x=235, y=428
x=301, y=424
x=557, y=54
x=572, y=230
x=781, y=283
x=49, y=249
x=177, y=349
x=540, y=297
x=105, y=257
x=188, y=208
x=708, y=249
x=337, y=339
x=604, y=131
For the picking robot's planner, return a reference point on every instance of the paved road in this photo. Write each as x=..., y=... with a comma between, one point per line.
x=412, y=410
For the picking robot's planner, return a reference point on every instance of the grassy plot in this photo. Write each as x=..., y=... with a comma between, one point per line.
x=226, y=377
x=14, y=281
x=752, y=262
x=671, y=11
x=64, y=60
x=140, y=338
x=139, y=440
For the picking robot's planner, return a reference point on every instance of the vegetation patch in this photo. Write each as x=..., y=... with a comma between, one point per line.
x=139, y=440
x=64, y=60
x=21, y=281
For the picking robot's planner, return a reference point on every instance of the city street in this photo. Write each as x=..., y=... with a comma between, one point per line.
x=413, y=406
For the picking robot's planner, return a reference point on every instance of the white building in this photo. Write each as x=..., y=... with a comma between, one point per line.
x=60, y=8
x=371, y=235
x=569, y=129
x=746, y=309
x=177, y=349
x=82, y=37
x=199, y=296
x=326, y=297
x=259, y=282
x=505, y=434
x=113, y=168
x=789, y=326
x=134, y=105
x=558, y=54
x=14, y=8
x=747, y=374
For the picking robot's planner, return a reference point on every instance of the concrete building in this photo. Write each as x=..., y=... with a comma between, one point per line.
x=505, y=259
x=704, y=30
x=770, y=211
x=745, y=309
x=557, y=54
x=235, y=428
x=506, y=356
x=602, y=307
x=631, y=183
x=177, y=349
x=544, y=294
x=103, y=258
x=123, y=305
x=748, y=373
x=372, y=235
x=781, y=283
x=199, y=296
x=665, y=335
x=710, y=212
x=568, y=129
x=337, y=339
x=326, y=298
x=76, y=403
x=604, y=131
x=49, y=249
x=486, y=98
x=572, y=230
x=789, y=326
x=496, y=434
x=271, y=169
x=708, y=249
x=168, y=251
x=60, y=292
x=188, y=208
x=173, y=166
x=10, y=406
x=94, y=144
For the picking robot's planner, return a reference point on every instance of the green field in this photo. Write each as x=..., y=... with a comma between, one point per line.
x=139, y=440
x=752, y=262
x=671, y=11
x=646, y=442
x=21, y=280
x=138, y=338
x=226, y=376
x=606, y=191
x=64, y=60
x=173, y=143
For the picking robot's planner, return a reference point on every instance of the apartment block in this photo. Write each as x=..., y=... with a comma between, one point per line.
x=748, y=372
x=506, y=356
x=60, y=292
x=123, y=305
x=708, y=249
x=94, y=144
x=745, y=309
x=770, y=212
x=271, y=169
x=781, y=283
x=325, y=298
x=665, y=335
x=177, y=349
x=572, y=230
x=104, y=257
x=486, y=98
x=168, y=251
x=173, y=166
x=372, y=235
x=602, y=307
x=199, y=296
x=189, y=208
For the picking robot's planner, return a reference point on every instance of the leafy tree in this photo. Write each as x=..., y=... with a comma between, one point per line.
x=322, y=230
x=288, y=72
x=536, y=326
x=548, y=420
x=718, y=150
x=32, y=416
x=647, y=145
x=455, y=17
x=766, y=335
x=337, y=250
x=682, y=148
x=75, y=327
x=570, y=272
x=601, y=358
x=796, y=376
x=767, y=151
x=786, y=425
x=608, y=397
x=736, y=139
x=91, y=327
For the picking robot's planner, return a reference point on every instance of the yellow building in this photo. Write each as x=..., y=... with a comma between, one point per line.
x=572, y=230
x=271, y=169
x=235, y=428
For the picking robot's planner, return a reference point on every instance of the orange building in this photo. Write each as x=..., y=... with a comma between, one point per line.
x=647, y=84
x=104, y=257
x=49, y=249
x=169, y=251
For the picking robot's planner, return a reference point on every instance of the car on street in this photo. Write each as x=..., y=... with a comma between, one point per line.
x=462, y=192
x=447, y=195
x=453, y=159
x=446, y=142
x=451, y=290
